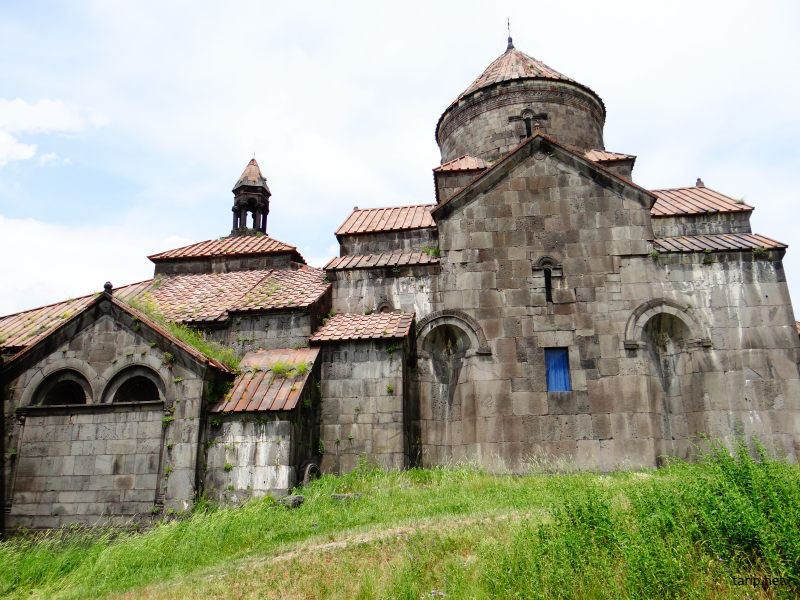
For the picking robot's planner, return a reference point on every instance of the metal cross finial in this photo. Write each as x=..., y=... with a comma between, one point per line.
x=510, y=43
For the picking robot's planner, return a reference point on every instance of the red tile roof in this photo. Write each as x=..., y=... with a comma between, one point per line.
x=462, y=163
x=716, y=243
x=211, y=296
x=82, y=304
x=694, y=201
x=363, y=327
x=513, y=64
x=228, y=246
x=368, y=261
x=394, y=218
x=28, y=327
x=605, y=156
x=184, y=298
x=284, y=289
x=259, y=388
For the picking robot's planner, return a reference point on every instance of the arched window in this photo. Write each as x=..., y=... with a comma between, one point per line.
x=548, y=284
x=547, y=275
x=134, y=384
x=64, y=392
x=63, y=388
x=136, y=389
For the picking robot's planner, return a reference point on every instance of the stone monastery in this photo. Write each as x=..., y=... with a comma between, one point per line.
x=544, y=305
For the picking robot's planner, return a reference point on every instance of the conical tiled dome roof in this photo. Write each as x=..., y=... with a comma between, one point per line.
x=513, y=64
x=252, y=176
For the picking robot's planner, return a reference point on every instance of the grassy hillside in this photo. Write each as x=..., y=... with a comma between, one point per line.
x=685, y=531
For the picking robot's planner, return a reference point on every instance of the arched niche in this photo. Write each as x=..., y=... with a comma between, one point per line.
x=463, y=323
x=63, y=388
x=635, y=334
x=134, y=384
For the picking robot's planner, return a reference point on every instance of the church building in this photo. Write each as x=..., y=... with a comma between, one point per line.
x=541, y=306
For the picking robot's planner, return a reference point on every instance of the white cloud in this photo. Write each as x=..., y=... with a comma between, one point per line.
x=42, y=116
x=11, y=149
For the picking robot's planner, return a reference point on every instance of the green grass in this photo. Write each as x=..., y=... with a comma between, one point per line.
x=186, y=334
x=685, y=531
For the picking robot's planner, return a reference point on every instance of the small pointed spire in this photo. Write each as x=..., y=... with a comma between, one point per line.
x=252, y=176
x=510, y=42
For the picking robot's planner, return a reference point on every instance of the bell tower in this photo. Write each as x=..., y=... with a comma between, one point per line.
x=250, y=196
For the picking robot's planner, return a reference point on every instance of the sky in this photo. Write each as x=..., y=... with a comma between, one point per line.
x=124, y=125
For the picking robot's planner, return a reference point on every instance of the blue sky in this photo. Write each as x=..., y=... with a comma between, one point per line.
x=123, y=126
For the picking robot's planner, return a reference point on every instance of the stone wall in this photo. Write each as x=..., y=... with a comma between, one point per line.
x=253, y=454
x=711, y=223
x=410, y=289
x=449, y=182
x=363, y=413
x=108, y=449
x=226, y=264
x=87, y=465
x=387, y=241
x=479, y=124
x=658, y=350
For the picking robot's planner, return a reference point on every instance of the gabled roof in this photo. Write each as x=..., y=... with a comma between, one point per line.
x=694, y=201
x=538, y=139
x=462, y=163
x=245, y=245
x=251, y=176
x=199, y=297
x=364, y=327
x=605, y=156
x=28, y=327
x=369, y=261
x=137, y=315
x=258, y=388
x=393, y=218
x=721, y=242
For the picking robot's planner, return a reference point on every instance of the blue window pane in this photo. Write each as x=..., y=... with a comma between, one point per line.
x=557, y=364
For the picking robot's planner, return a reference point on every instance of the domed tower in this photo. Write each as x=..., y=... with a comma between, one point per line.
x=511, y=98
x=250, y=196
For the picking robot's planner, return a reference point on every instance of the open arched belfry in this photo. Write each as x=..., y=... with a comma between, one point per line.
x=542, y=305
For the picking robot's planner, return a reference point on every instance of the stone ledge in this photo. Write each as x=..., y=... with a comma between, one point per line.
x=65, y=409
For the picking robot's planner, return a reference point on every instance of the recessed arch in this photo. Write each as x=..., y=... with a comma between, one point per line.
x=457, y=319
x=134, y=384
x=635, y=333
x=64, y=387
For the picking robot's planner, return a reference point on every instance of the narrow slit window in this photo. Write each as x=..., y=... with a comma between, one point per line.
x=548, y=285
x=557, y=365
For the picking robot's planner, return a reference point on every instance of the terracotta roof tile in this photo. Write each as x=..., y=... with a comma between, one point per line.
x=258, y=388
x=716, y=243
x=252, y=176
x=28, y=327
x=284, y=289
x=363, y=327
x=211, y=296
x=184, y=298
x=394, y=218
x=82, y=304
x=513, y=64
x=605, y=156
x=367, y=261
x=204, y=296
x=228, y=246
x=462, y=163
x=694, y=201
